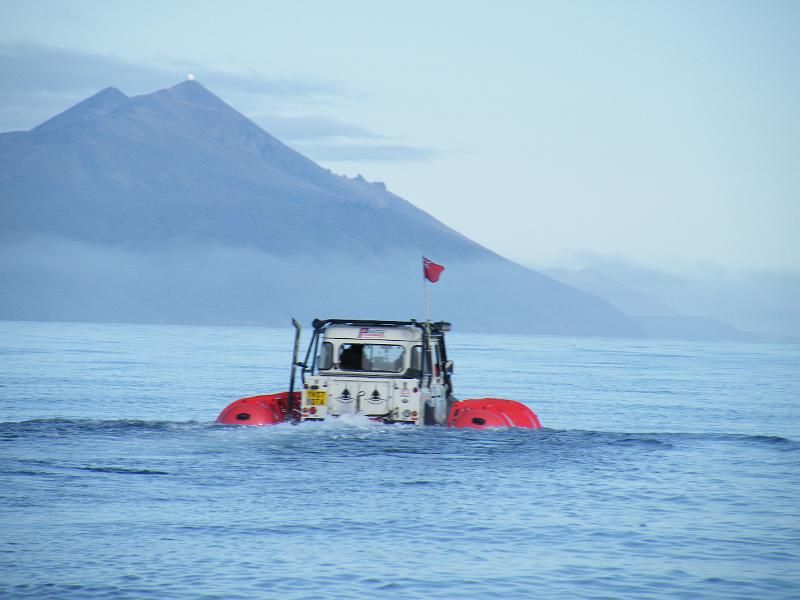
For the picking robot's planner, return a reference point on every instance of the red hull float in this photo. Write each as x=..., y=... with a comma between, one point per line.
x=492, y=412
x=269, y=409
x=481, y=413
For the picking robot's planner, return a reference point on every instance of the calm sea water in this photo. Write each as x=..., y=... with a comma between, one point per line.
x=666, y=470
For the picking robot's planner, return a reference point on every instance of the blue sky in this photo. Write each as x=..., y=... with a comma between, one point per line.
x=664, y=133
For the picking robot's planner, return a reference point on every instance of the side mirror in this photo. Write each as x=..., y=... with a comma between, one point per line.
x=448, y=367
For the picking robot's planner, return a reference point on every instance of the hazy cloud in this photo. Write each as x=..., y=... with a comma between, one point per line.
x=39, y=81
x=327, y=139
x=304, y=128
x=34, y=68
x=361, y=152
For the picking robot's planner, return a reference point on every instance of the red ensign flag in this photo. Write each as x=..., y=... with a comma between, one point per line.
x=431, y=270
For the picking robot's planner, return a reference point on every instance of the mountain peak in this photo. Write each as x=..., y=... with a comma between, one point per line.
x=109, y=93
x=103, y=102
x=190, y=84
x=192, y=92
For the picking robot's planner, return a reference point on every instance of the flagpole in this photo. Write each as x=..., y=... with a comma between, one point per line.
x=425, y=292
x=426, y=339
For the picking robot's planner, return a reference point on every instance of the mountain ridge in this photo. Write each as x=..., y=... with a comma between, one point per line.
x=655, y=317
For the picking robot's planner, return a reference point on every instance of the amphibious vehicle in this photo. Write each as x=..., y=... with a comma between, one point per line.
x=389, y=371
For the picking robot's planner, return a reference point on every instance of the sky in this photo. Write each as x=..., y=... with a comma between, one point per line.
x=662, y=133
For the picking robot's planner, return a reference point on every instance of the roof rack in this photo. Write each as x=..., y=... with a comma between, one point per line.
x=319, y=324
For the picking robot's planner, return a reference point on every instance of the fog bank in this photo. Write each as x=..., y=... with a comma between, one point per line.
x=56, y=279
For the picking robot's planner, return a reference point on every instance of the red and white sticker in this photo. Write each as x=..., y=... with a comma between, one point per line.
x=370, y=333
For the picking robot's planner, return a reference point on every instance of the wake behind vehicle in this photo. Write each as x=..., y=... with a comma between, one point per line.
x=389, y=371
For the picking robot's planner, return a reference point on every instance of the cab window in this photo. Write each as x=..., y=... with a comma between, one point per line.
x=371, y=358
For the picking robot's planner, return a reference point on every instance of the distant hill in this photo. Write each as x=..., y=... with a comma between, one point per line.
x=628, y=300
x=174, y=207
x=654, y=316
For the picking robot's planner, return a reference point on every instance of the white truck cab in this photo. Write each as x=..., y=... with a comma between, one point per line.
x=393, y=371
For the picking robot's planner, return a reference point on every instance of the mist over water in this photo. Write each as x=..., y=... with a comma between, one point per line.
x=182, y=282
x=194, y=282
x=664, y=470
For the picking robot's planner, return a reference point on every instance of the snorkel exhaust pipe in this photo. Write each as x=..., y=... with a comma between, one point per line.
x=293, y=408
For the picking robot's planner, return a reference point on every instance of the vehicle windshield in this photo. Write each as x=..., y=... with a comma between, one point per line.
x=371, y=357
